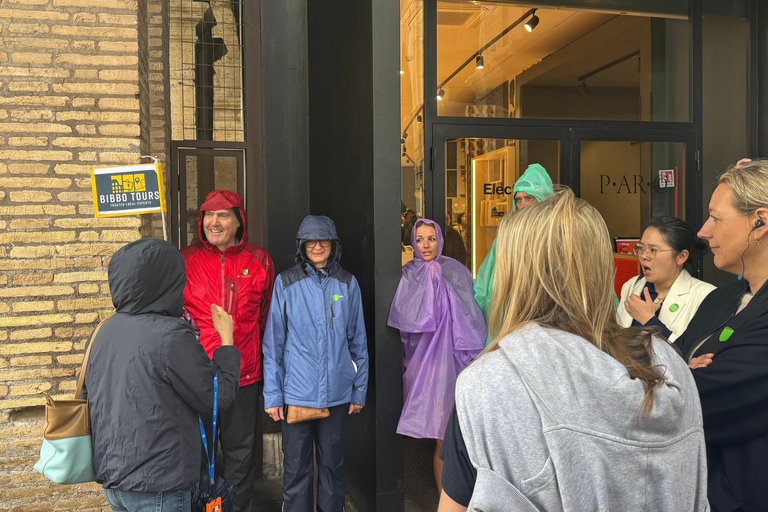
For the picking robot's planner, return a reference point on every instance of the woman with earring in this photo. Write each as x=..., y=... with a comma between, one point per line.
x=665, y=295
x=726, y=343
x=442, y=330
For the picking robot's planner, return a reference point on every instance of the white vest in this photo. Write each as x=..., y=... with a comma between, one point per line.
x=686, y=292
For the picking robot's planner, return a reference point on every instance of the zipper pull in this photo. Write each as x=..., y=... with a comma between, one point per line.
x=231, y=299
x=332, y=315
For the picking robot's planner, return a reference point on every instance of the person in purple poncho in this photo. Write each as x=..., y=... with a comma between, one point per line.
x=442, y=330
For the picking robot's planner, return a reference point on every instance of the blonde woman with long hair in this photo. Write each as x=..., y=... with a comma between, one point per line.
x=565, y=410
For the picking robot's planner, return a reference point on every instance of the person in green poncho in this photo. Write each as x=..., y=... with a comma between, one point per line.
x=534, y=186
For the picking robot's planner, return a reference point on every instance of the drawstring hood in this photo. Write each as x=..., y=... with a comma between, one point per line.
x=147, y=276
x=318, y=227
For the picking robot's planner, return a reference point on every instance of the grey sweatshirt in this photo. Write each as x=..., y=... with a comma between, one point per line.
x=551, y=423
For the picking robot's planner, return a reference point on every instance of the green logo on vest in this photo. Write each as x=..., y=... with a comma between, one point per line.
x=245, y=271
x=674, y=307
x=726, y=334
x=337, y=297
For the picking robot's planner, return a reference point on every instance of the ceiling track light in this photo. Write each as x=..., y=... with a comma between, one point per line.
x=440, y=95
x=531, y=23
x=479, y=62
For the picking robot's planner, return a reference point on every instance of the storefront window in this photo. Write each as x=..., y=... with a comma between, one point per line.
x=630, y=181
x=571, y=64
x=412, y=107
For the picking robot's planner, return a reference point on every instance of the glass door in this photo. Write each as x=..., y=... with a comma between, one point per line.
x=631, y=181
x=628, y=175
x=631, y=176
x=474, y=181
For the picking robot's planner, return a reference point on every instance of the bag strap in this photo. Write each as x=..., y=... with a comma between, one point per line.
x=81, y=379
x=211, y=456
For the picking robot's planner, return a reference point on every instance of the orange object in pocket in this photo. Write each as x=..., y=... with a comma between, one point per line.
x=213, y=505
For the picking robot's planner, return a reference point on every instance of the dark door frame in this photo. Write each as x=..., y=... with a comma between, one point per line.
x=570, y=165
x=693, y=189
x=570, y=156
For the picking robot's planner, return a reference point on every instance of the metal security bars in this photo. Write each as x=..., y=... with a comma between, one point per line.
x=206, y=70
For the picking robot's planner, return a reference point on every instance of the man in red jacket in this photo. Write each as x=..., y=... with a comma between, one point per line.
x=224, y=269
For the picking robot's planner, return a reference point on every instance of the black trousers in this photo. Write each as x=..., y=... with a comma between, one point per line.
x=237, y=434
x=327, y=435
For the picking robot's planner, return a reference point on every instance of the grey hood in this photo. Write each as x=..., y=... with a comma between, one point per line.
x=318, y=227
x=148, y=276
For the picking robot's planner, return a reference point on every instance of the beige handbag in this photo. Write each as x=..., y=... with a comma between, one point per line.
x=297, y=413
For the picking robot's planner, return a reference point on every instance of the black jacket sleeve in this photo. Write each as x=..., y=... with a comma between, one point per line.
x=734, y=394
x=663, y=329
x=191, y=372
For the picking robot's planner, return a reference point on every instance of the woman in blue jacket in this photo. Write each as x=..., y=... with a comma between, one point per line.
x=315, y=355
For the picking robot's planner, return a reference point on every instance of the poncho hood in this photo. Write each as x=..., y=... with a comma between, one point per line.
x=223, y=200
x=318, y=227
x=438, y=232
x=148, y=276
x=536, y=182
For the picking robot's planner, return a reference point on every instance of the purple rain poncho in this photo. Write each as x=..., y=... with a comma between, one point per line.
x=442, y=330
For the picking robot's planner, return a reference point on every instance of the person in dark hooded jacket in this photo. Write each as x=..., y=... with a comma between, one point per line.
x=315, y=355
x=148, y=379
x=224, y=268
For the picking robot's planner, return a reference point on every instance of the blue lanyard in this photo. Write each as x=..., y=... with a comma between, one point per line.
x=211, y=459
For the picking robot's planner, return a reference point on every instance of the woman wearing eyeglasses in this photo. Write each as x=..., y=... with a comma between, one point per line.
x=665, y=295
x=315, y=355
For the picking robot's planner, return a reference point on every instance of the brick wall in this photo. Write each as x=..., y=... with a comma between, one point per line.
x=76, y=91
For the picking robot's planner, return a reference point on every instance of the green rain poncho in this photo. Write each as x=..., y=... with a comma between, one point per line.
x=536, y=182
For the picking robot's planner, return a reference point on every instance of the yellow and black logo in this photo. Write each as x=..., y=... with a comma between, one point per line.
x=129, y=183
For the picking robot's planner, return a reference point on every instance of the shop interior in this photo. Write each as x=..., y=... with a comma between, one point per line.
x=520, y=60
x=506, y=59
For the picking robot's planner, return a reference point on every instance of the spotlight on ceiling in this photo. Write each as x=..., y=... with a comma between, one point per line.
x=531, y=23
x=440, y=95
x=479, y=62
